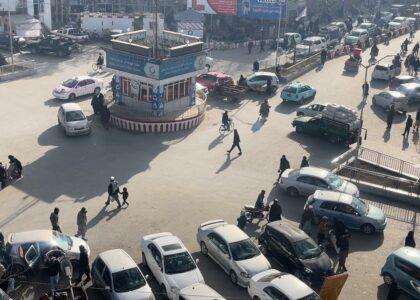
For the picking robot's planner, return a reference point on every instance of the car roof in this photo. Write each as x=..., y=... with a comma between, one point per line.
x=296, y=84
x=291, y=232
x=218, y=74
x=82, y=77
x=230, y=233
x=314, y=38
x=291, y=286
x=312, y=171
x=404, y=77
x=395, y=94
x=338, y=23
x=359, y=30
x=410, y=85
x=383, y=64
x=366, y=24
x=199, y=291
x=262, y=74
x=117, y=260
x=333, y=196
x=71, y=106
x=169, y=244
x=410, y=254
x=291, y=33
x=30, y=236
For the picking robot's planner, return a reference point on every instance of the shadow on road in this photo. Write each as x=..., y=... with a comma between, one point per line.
x=383, y=115
x=286, y=108
x=218, y=140
x=227, y=162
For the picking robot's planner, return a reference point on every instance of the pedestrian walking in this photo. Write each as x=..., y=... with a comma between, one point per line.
x=3, y=176
x=54, y=219
x=306, y=220
x=417, y=124
x=416, y=49
x=17, y=165
x=82, y=223
x=323, y=56
x=275, y=211
x=343, y=244
x=256, y=66
x=53, y=265
x=250, y=45
x=105, y=117
x=408, y=125
x=113, y=191
x=84, y=268
x=236, y=141
x=390, y=117
x=284, y=165
x=97, y=102
x=125, y=196
x=365, y=89
x=304, y=163
x=409, y=240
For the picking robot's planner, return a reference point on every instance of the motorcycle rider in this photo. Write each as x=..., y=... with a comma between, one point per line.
x=264, y=109
x=225, y=120
x=100, y=61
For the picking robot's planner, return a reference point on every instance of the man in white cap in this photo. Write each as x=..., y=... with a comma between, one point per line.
x=113, y=190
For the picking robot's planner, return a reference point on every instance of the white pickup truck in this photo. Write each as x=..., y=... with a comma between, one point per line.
x=72, y=33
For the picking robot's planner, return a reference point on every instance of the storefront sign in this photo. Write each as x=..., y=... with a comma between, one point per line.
x=151, y=68
x=263, y=9
x=219, y=7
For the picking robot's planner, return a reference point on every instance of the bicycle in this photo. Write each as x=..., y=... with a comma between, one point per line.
x=96, y=67
x=223, y=128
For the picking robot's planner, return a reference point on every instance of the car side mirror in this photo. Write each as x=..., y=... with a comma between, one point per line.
x=197, y=260
x=146, y=276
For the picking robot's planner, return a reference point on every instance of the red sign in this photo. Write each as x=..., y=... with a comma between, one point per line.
x=219, y=7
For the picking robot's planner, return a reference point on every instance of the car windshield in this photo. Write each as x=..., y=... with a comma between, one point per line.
x=333, y=180
x=307, y=43
x=404, y=90
x=244, y=249
x=178, y=263
x=290, y=89
x=61, y=240
x=313, y=296
x=355, y=33
x=128, y=280
x=306, y=249
x=71, y=83
x=360, y=206
x=77, y=115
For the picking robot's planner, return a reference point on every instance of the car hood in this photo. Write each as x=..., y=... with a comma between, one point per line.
x=376, y=213
x=182, y=280
x=77, y=242
x=254, y=265
x=349, y=188
x=352, y=38
x=394, y=24
x=142, y=293
x=62, y=88
x=82, y=123
x=301, y=47
x=319, y=265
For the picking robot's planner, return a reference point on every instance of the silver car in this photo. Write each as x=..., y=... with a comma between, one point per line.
x=258, y=81
x=389, y=98
x=310, y=110
x=232, y=249
x=306, y=181
x=72, y=119
x=411, y=91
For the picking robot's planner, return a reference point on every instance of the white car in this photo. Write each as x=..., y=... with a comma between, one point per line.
x=198, y=291
x=116, y=274
x=72, y=119
x=385, y=71
x=275, y=285
x=232, y=249
x=355, y=36
x=398, y=23
x=76, y=87
x=288, y=37
x=310, y=45
x=388, y=98
x=310, y=110
x=170, y=263
x=258, y=81
x=305, y=181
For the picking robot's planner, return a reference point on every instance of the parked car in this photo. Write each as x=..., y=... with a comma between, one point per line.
x=51, y=45
x=258, y=81
x=341, y=25
x=288, y=38
x=411, y=21
x=386, y=16
x=305, y=181
x=27, y=249
x=212, y=80
x=72, y=33
x=170, y=263
x=411, y=91
x=71, y=118
x=351, y=210
x=198, y=291
x=389, y=98
x=310, y=110
x=355, y=36
x=398, y=23
x=275, y=285
x=385, y=71
x=118, y=277
x=292, y=248
x=371, y=28
x=396, y=81
x=76, y=87
x=232, y=249
x=297, y=92
x=311, y=45
x=403, y=267
x=18, y=42
x=332, y=34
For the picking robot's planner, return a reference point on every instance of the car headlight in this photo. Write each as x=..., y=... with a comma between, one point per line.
x=174, y=290
x=245, y=275
x=307, y=270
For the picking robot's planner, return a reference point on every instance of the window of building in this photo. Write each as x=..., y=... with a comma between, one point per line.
x=125, y=87
x=145, y=92
x=177, y=90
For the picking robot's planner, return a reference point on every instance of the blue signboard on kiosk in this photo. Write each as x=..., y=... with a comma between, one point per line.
x=263, y=9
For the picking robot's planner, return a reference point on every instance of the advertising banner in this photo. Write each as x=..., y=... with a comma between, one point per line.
x=191, y=28
x=219, y=7
x=263, y=9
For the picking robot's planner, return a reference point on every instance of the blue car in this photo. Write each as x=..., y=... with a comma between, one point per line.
x=297, y=92
x=403, y=267
x=352, y=211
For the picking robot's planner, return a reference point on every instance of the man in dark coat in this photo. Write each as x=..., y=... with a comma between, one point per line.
x=275, y=212
x=18, y=165
x=84, y=268
x=105, y=117
x=3, y=176
x=113, y=191
x=236, y=141
x=256, y=66
x=54, y=220
x=408, y=125
x=304, y=163
x=97, y=102
x=343, y=243
x=323, y=56
x=390, y=117
x=259, y=204
x=284, y=165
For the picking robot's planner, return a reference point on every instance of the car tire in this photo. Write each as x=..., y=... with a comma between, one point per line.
x=388, y=279
x=203, y=248
x=143, y=260
x=256, y=298
x=163, y=291
x=233, y=277
x=292, y=192
x=72, y=97
x=264, y=249
x=97, y=89
x=299, y=129
x=374, y=101
x=367, y=229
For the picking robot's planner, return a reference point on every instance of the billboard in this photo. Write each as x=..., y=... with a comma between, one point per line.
x=219, y=7
x=262, y=9
x=8, y=5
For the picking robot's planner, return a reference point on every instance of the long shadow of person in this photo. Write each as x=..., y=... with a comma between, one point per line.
x=218, y=140
x=387, y=135
x=405, y=143
x=227, y=163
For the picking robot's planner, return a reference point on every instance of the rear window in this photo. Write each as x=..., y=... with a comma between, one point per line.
x=290, y=89
x=381, y=68
x=171, y=247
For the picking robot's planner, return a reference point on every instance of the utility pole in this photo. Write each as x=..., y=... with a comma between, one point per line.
x=10, y=31
x=278, y=33
x=155, y=48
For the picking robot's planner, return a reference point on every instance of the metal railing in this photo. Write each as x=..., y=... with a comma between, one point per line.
x=19, y=66
x=392, y=163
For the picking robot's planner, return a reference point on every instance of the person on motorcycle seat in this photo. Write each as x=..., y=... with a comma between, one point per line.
x=100, y=60
x=225, y=120
x=259, y=204
x=264, y=108
x=374, y=51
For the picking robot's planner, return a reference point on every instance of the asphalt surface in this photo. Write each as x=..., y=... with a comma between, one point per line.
x=177, y=181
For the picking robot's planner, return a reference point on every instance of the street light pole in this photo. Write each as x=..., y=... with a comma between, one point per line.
x=278, y=34
x=10, y=32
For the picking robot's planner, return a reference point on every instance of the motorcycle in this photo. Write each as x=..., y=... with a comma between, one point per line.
x=251, y=213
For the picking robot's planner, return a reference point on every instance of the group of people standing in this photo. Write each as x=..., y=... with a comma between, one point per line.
x=100, y=108
x=11, y=172
x=412, y=61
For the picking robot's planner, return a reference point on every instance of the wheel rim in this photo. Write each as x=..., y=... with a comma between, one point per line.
x=72, y=97
x=367, y=229
x=233, y=277
x=263, y=249
x=293, y=192
x=388, y=279
x=204, y=249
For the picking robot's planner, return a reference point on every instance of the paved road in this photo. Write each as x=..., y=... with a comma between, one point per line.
x=177, y=181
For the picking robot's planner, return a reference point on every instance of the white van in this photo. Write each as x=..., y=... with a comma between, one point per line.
x=385, y=71
x=199, y=291
x=310, y=45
